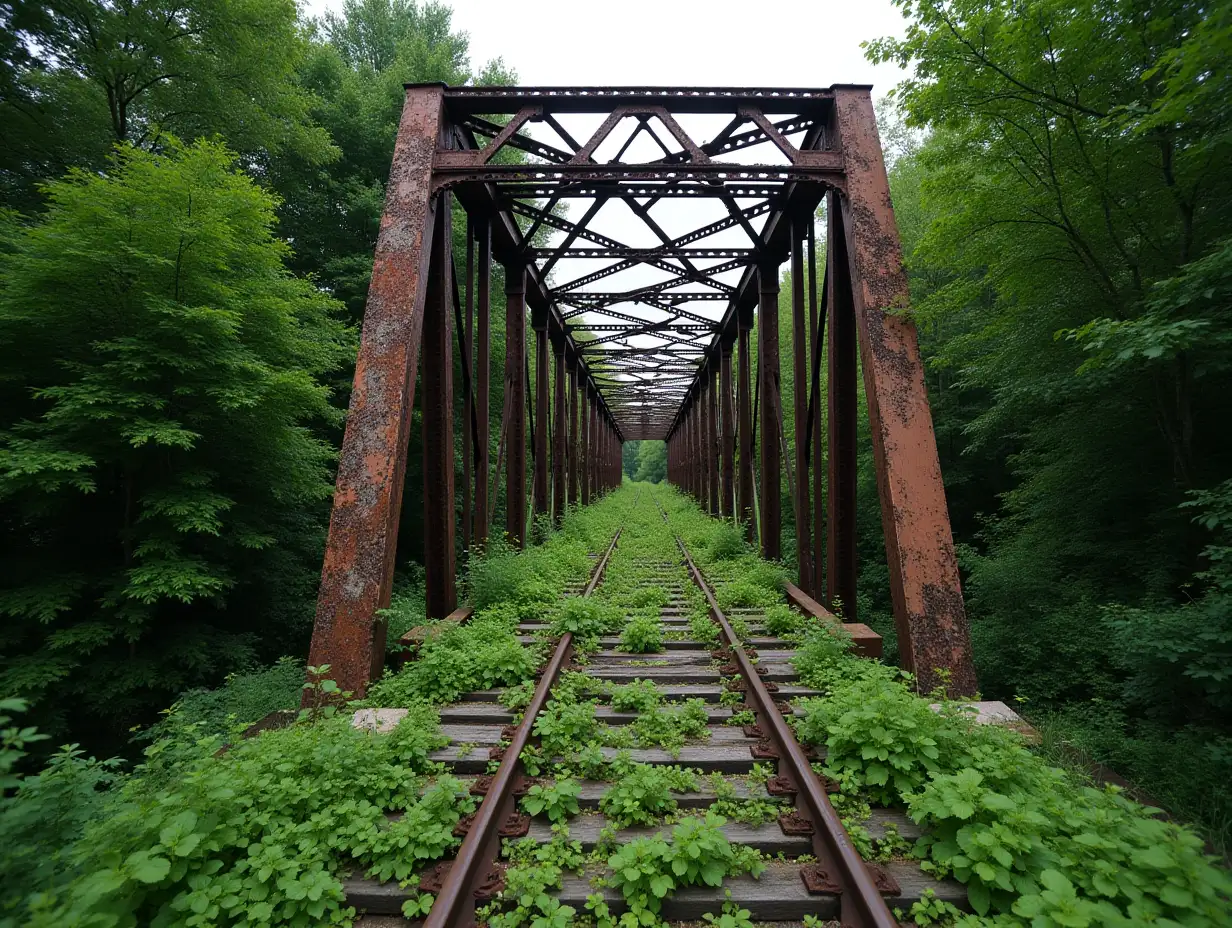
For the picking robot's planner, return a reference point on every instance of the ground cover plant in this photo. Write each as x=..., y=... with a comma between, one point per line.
x=1033, y=844
x=213, y=828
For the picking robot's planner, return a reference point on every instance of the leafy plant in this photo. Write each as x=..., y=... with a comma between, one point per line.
x=642, y=793
x=558, y=800
x=564, y=727
x=646, y=870
x=928, y=910
x=638, y=696
x=643, y=635
x=732, y=916
x=585, y=618
x=671, y=726
x=782, y=620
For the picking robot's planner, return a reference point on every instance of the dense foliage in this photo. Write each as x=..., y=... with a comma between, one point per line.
x=645, y=461
x=1034, y=844
x=170, y=394
x=1069, y=235
x=262, y=833
x=159, y=472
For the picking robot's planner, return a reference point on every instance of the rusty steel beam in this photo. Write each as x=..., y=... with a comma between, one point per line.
x=473, y=99
x=768, y=377
x=483, y=367
x=728, y=434
x=745, y=431
x=712, y=441
x=800, y=380
x=929, y=614
x=575, y=486
x=560, y=438
x=817, y=324
x=357, y=573
x=440, y=557
x=543, y=382
x=515, y=386
x=583, y=399
x=841, y=542
x=468, y=410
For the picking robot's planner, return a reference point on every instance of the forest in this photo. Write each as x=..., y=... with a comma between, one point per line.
x=190, y=193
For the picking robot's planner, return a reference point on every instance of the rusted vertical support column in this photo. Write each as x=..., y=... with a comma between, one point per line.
x=712, y=438
x=744, y=401
x=703, y=473
x=573, y=491
x=601, y=457
x=468, y=340
x=597, y=462
x=560, y=443
x=584, y=443
x=768, y=374
x=543, y=380
x=699, y=458
x=483, y=367
x=515, y=384
x=843, y=400
x=592, y=419
x=728, y=433
x=440, y=565
x=695, y=474
x=819, y=474
x=800, y=382
x=357, y=573
x=924, y=581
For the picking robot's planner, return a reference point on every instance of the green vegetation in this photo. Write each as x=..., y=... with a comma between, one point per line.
x=645, y=461
x=189, y=199
x=261, y=831
x=157, y=463
x=1025, y=838
x=172, y=371
x=642, y=793
x=557, y=801
x=1080, y=363
x=645, y=870
x=643, y=635
x=1033, y=843
x=244, y=698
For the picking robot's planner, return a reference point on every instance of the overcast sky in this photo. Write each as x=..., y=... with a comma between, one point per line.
x=784, y=43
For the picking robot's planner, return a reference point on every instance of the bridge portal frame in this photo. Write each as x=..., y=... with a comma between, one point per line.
x=453, y=145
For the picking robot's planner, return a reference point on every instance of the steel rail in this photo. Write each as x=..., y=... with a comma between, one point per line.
x=861, y=904
x=454, y=906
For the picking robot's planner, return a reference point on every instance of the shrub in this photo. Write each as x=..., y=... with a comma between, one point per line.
x=642, y=793
x=557, y=800
x=244, y=698
x=585, y=618
x=638, y=696
x=643, y=635
x=783, y=620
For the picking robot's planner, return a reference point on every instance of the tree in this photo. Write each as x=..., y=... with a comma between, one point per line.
x=355, y=69
x=651, y=461
x=1070, y=269
x=91, y=73
x=163, y=496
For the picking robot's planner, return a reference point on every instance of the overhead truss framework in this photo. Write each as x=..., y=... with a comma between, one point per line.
x=642, y=229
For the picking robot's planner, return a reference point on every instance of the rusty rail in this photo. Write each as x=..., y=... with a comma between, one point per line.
x=476, y=857
x=860, y=902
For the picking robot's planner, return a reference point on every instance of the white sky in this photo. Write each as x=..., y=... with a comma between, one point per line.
x=759, y=43
x=766, y=43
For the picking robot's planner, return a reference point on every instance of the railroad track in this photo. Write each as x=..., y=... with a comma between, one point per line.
x=812, y=868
